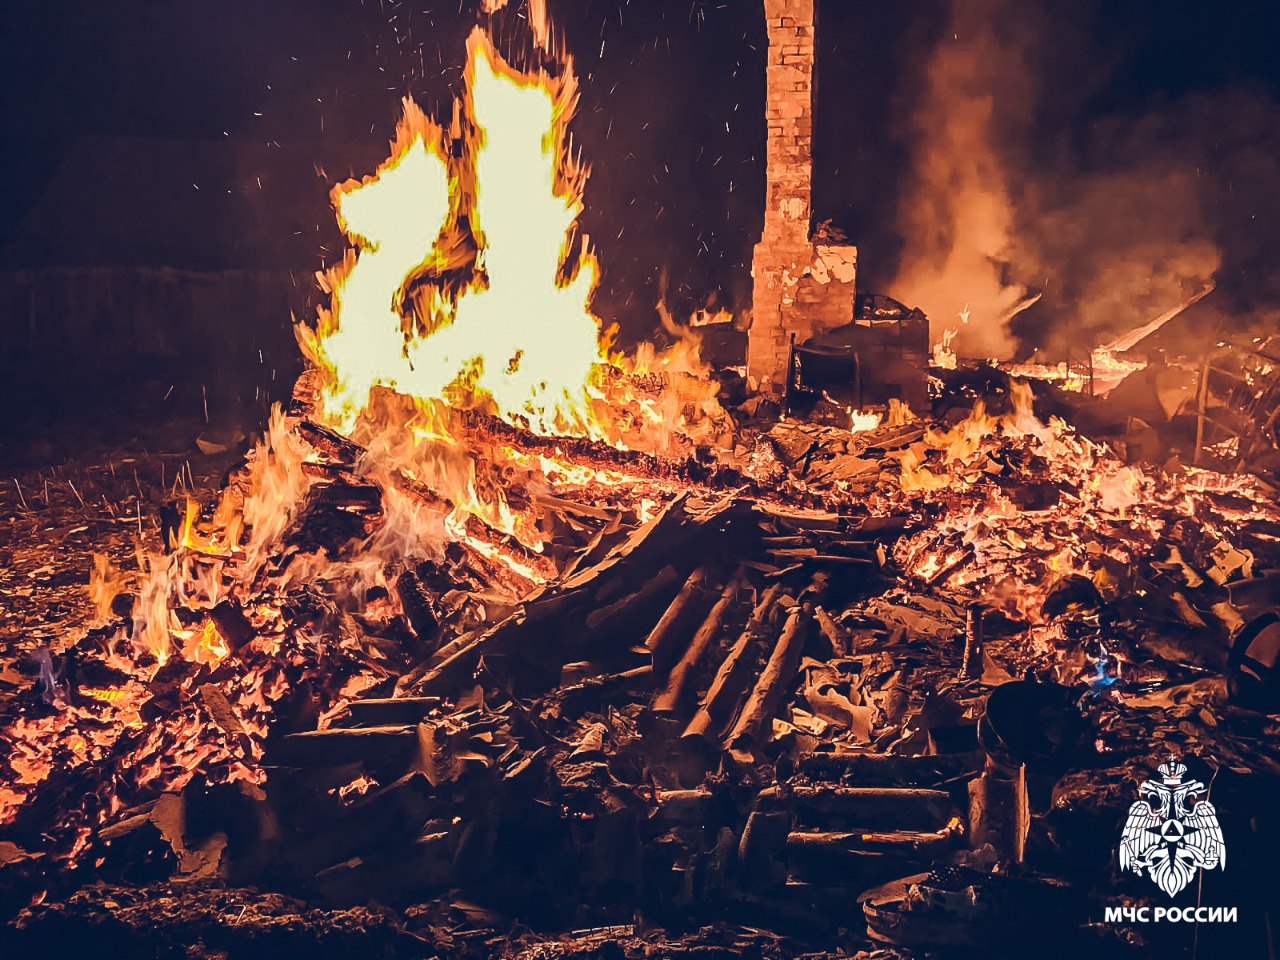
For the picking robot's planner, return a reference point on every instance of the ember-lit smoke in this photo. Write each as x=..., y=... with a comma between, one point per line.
x=957, y=215
x=1110, y=232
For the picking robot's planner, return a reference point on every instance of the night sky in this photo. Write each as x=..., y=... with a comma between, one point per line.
x=670, y=123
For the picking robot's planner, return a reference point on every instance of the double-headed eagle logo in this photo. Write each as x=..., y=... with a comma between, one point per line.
x=1169, y=837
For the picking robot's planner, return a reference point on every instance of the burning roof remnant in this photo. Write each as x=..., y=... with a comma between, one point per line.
x=525, y=631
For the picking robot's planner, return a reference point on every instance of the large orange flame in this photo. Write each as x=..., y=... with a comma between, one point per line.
x=519, y=338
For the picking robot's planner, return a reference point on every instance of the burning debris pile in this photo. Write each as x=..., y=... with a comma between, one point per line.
x=750, y=679
x=494, y=614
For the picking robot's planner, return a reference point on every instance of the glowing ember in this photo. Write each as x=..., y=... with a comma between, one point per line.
x=942, y=355
x=861, y=422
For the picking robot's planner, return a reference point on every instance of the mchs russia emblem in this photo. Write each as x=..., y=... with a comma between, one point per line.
x=1172, y=831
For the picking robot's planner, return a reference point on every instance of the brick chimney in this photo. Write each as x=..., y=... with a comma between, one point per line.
x=801, y=286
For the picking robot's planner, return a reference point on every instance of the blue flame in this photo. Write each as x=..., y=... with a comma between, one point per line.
x=53, y=685
x=1106, y=673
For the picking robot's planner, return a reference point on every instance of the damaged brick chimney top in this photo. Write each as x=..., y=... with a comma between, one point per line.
x=802, y=285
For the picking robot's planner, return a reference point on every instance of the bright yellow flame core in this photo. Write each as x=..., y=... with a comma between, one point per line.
x=522, y=334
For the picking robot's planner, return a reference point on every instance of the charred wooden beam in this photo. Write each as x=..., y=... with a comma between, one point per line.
x=731, y=679
x=876, y=769
x=691, y=806
x=377, y=746
x=943, y=573
x=418, y=608
x=834, y=843
x=642, y=553
x=392, y=711
x=894, y=438
x=836, y=635
x=603, y=456
x=872, y=529
x=455, y=661
x=677, y=688
x=329, y=442
x=821, y=546
x=787, y=517
x=772, y=683
x=346, y=493
x=593, y=688
x=232, y=623
x=971, y=663
x=864, y=807
x=630, y=609
x=664, y=637
x=574, y=508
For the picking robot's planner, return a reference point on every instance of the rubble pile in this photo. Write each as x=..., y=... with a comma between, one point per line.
x=755, y=684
